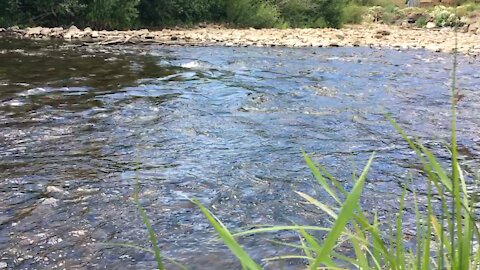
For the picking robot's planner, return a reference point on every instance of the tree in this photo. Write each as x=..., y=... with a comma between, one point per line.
x=110, y=14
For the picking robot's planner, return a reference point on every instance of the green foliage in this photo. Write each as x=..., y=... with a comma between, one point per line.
x=252, y=13
x=421, y=22
x=43, y=12
x=295, y=12
x=353, y=13
x=112, y=13
x=445, y=16
x=173, y=12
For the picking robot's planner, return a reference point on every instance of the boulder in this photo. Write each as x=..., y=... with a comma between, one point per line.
x=473, y=28
x=45, y=31
x=31, y=32
x=413, y=17
x=56, y=32
x=72, y=32
x=2, y=29
x=13, y=28
x=88, y=30
x=430, y=25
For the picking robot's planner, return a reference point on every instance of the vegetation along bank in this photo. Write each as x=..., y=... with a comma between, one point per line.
x=291, y=23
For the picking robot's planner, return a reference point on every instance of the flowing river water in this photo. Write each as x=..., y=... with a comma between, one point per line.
x=78, y=125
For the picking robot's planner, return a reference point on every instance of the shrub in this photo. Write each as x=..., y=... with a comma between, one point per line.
x=40, y=12
x=353, y=13
x=248, y=13
x=421, y=22
x=172, y=12
x=112, y=13
x=444, y=16
x=331, y=11
x=295, y=12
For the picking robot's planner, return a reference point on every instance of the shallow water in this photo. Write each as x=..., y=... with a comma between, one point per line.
x=225, y=125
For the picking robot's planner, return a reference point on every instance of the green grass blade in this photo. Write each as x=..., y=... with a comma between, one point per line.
x=228, y=239
x=359, y=253
x=438, y=231
x=319, y=177
x=151, y=232
x=400, y=248
x=279, y=228
x=346, y=212
x=325, y=208
x=306, y=250
x=314, y=244
x=376, y=247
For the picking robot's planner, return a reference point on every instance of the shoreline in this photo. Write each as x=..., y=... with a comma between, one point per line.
x=367, y=35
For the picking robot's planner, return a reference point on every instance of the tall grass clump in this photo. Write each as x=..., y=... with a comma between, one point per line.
x=447, y=234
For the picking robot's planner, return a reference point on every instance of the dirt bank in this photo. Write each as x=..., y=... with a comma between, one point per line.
x=374, y=35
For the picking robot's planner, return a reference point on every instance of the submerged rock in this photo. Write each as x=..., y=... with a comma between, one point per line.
x=72, y=32
x=50, y=201
x=53, y=190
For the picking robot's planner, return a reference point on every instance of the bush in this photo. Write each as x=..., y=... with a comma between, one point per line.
x=112, y=13
x=173, y=12
x=248, y=13
x=444, y=16
x=40, y=12
x=421, y=22
x=353, y=13
x=331, y=11
x=295, y=12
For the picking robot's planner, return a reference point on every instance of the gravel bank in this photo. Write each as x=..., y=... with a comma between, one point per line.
x=373, y=35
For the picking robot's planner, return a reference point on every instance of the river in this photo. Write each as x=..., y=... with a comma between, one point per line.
x=78, y=125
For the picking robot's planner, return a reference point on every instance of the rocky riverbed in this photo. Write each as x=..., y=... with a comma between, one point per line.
x=373, y=35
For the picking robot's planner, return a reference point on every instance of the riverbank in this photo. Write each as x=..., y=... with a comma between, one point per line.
x=372, y=35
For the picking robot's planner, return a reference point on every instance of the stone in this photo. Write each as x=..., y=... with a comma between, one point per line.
x=94, y=34
x=383, y=32
x=430, y=25
x=13, y=28
x=473, y=28
x=50, y=201
x=56, y=32
x=72, y=32
x=73, y=28
x=88, y=30
x=45, y=31
x=53, y=190
x=413, y=17
x=2, y=29
x=3, y=265
x=35, y=31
